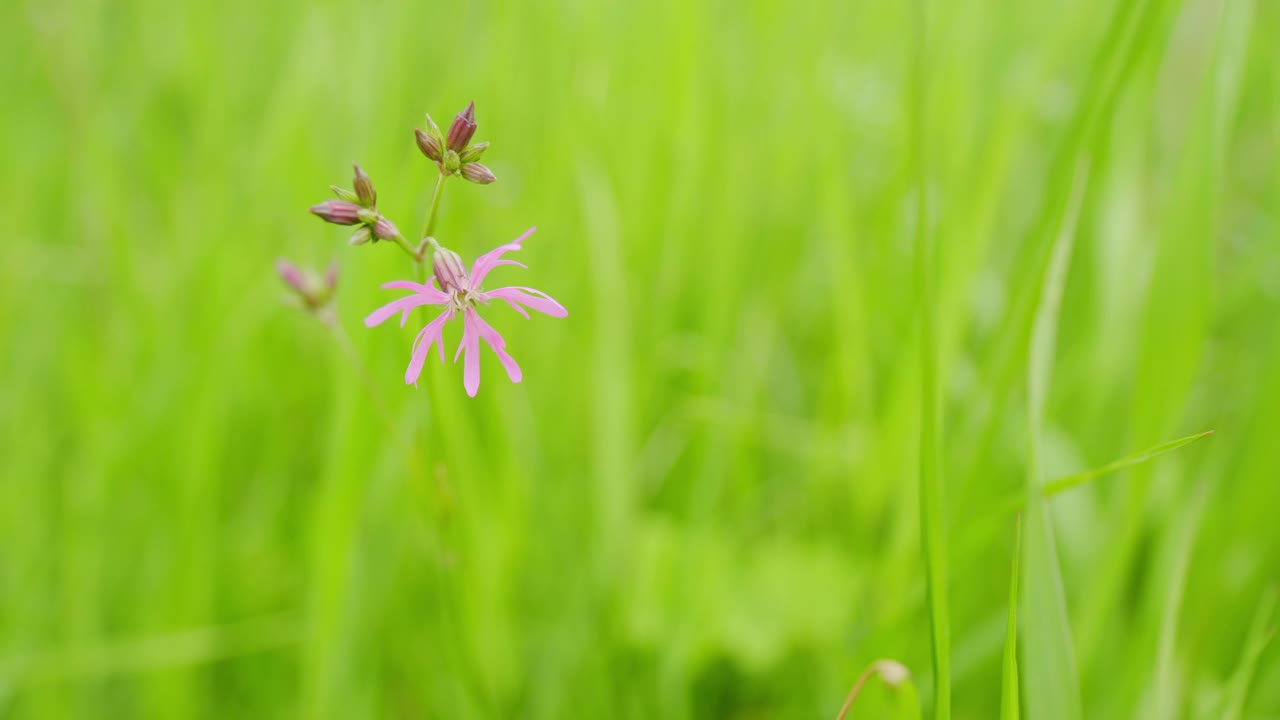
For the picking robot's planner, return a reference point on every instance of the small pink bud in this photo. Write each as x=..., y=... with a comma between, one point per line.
x=339, y=212
x=384, y=229
x=477, y=173
x=449, y=270
x=292, y=276
x=331, y=277
x=364, y=187
x=427, y=145
x=463, y=127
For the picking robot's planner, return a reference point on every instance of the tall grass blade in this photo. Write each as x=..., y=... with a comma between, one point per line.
x=1009, y=675
x=1053, y=686
x=1260, y=634
x=932, y=505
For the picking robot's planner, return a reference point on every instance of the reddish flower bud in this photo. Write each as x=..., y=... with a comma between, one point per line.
x=384, y=229
x=449, y=270
x=364, y=188
x=339, y=212
x=463, y=127
x=292, y=276
x=477, y=173
x=331, y=277
x=427, y=145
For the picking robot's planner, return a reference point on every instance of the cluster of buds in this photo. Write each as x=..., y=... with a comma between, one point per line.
x=453, y=153
x=358, y=207
x=312, y=291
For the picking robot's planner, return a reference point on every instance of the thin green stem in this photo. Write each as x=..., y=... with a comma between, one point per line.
x=429, y=227
x=404, y=245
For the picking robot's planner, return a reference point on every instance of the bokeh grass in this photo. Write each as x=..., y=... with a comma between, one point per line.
x=703, y=500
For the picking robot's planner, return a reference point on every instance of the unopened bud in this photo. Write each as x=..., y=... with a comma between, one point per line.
x=364, y=187
x=331, y=277
x=474, y=152
x=449, y=270
x=384, y=229
x=367, y=216
x=463, y=127
x=361, y=236
x=428, y=145
x=477, y=173
x=292, y=276
x=434, y=130
x=451, y=161
x=344, y=194
x=339, y=212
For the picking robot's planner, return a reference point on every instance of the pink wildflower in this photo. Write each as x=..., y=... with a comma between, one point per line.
x=461, y=294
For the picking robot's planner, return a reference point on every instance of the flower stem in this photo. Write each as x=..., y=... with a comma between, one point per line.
x=404, y=245
x=429, y=227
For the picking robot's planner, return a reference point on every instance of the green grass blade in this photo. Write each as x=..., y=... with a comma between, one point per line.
x=932, y=506
x=1015, y=501
x=1009, y=676
x=1053, y=686
x=1068, y=482
x=1260, y=634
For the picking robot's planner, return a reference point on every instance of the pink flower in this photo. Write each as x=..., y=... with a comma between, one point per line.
x=461, y=294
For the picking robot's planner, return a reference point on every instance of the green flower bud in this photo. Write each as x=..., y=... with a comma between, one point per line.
x=361, y=236
x=344, y=194
x=474, y=152
x=451, y=161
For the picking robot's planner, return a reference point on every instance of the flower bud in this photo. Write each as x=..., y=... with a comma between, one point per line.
x=451, y=161
x=331, y=278
x=292, y=276
x=449, y=270
x=434, y=130
x=463, y=127
x=384, y=229
x=477, y=173
x=364, y=188
x=339, y=212
x=474, y=152
x=344, y=194
x=428, y=145
x=362, y=235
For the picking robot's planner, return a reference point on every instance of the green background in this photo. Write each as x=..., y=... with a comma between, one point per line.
x=703, y=499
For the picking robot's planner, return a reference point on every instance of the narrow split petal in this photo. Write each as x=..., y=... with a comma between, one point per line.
x=470, y=349
x=433, y=333
x=493, y=258
x=533, y=299
x=404, y=305
x=499, y=346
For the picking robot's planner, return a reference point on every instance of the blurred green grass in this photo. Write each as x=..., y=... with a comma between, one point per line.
x=702, y=500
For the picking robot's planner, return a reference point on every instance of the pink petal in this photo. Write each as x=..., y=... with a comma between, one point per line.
x=427, y=289
x=493, y=258
x=432, y=333
x=534, y=299
x=403, y=305
x=499, y=346
x=470, y=348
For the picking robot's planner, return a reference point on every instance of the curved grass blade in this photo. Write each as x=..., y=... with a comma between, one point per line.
x=1053, y=685
x=1063, y=484
x=1260, y=635
x=1009, y=675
